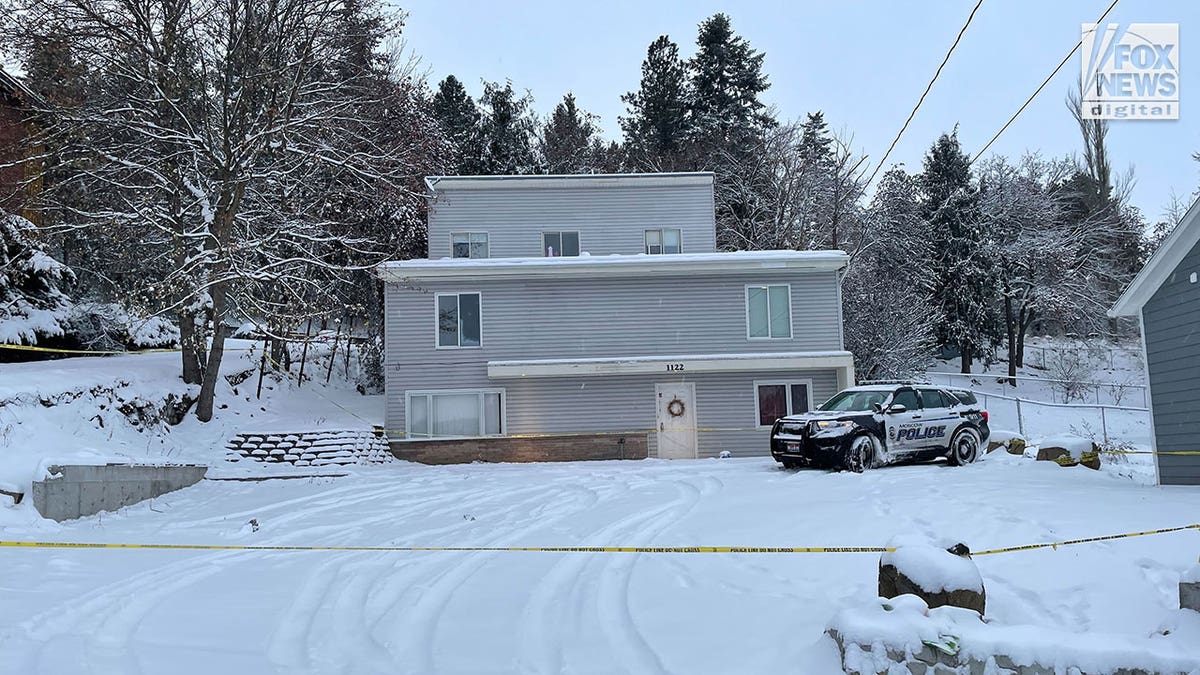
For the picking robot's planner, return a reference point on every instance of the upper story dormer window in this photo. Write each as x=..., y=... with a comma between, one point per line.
x=469, y=244
x=664, y=240
x=556, y=244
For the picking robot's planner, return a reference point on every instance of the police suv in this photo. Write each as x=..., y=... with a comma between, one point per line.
x=877, y=424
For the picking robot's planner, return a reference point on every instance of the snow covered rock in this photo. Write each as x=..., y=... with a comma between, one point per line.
x=936, y=575
x=1069, y=451
x=1016, y=446
x=903, y=636
x=1189, y=589
x=1010, y=441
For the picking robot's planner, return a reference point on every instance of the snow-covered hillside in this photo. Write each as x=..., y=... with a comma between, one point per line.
x=90, y=409
x=1086, y=389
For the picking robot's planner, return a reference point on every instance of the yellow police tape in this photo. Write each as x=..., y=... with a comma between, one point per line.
x=1072, y=542
x=85, y=352
x=575, y=549
x=467, y=549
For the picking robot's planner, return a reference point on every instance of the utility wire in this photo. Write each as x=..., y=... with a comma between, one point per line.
x=925, y=93
x=1041, y=87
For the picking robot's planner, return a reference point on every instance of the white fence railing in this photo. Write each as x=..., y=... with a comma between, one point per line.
x=1113, y=393
x=1044, y=418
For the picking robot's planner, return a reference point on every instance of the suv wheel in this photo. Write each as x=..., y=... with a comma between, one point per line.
x=862, y=454
x=964, y=447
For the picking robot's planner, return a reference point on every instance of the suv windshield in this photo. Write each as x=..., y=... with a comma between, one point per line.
x=855, y=400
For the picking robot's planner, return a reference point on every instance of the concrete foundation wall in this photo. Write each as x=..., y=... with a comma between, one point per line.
x=563, y=448
x=77, y=491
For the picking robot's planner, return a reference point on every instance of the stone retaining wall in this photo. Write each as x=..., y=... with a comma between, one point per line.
x=311, y=448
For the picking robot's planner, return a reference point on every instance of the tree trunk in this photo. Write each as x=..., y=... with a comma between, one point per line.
x=965, y=354
x=190, y=348
x=1010, y=333
x=1023, y=325
x=208, y=388
x=212, y=369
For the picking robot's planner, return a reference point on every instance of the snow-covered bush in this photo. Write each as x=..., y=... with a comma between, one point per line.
x=33, y=306
x=107, y=326
x=1071, y=370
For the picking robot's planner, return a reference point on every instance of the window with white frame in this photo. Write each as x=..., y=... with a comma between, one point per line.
x=555, y=244
x=469, y=244
x=454, y=413
x=769, y=312
x=458, y=320
x=664, y=240
x=780, y=399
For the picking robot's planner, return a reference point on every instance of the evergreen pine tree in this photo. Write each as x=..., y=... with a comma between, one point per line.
x=656, y=127
x=815, y=139
x=507, y=129
x=33, y=306
x=962, y=285
x=459, y=119
x=569, y=140
x=820, y=182
x=726, y=81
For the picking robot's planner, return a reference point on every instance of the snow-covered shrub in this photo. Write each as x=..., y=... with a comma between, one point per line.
x=33, y=306
x=106, y=326
x=370, y=376
x=1071, y=370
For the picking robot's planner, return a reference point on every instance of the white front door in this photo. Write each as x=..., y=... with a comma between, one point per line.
x=676, y=418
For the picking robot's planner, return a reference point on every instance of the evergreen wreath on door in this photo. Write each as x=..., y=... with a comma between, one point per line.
x=676, y=407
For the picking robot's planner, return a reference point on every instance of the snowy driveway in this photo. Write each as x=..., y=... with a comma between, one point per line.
x=128, y=611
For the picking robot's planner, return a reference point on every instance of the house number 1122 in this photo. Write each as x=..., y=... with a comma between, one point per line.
x=674, y=367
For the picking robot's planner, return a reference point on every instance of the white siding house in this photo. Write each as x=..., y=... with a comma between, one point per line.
x=608, y=351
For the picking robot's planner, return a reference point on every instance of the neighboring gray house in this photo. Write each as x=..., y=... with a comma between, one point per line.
x=1165, y=296
x=578, y=317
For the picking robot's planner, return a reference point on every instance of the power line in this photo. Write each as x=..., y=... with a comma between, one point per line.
x=924, y=93
x=1042, y=86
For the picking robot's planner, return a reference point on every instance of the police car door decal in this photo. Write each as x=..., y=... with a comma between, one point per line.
x=904, y=428
x=936, y=423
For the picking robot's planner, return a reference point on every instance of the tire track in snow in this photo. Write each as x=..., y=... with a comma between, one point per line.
x=420, y=621
x=374, y=598
x=289, y=645
x=107, y=614
x=545, y=613
x=111, y=618
x=628, y=642
x=297, y=633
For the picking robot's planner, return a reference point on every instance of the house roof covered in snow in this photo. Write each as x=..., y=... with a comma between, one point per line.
x=14, y=87
x=682, y=264
x=592, y=180
x=1170, y=253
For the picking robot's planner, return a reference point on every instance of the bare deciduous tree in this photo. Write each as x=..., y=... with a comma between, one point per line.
x=214, y=136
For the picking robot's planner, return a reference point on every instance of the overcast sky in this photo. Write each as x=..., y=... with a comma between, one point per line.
x=863, y=63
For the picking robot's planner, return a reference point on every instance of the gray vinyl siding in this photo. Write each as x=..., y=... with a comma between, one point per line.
x=609, y=219
x=725, y=402
x=590, y=318
x=1171, y=320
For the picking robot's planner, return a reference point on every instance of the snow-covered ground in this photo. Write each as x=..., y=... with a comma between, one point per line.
x=66, y=410
x=1116, y=370
x=107, y=611
x=117, y=610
